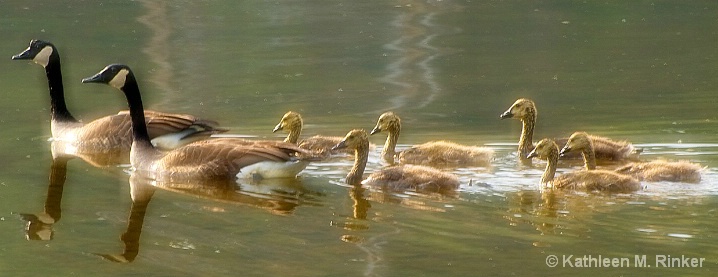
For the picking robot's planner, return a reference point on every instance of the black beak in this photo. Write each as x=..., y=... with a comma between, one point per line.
x=97, y=78
x=25, y=55
x=565, y=150
x=341, y=145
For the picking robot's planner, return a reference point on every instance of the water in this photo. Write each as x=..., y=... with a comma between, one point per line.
x=642, y=71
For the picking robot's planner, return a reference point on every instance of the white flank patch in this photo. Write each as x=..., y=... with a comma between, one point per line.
x=43, y=58
x=172, y=140
x=272, y=169
x=119, y=80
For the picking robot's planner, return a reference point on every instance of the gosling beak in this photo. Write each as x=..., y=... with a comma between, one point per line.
x=532, y=154
x=565, y=150
x=277, y=128
x=376, y=130
x=341, y=145
x=506, y=114
x=25, y=55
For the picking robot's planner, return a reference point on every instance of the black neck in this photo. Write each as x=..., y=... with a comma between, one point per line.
x=58, y=108
x=137, y=111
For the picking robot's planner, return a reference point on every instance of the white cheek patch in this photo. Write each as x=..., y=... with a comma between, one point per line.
x=43, y=58
x=119, y=80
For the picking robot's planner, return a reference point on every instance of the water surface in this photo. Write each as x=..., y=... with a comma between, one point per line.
x=643, y=71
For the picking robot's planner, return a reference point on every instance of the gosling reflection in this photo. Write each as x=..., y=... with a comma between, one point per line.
x=543, y=208
x=362, y=199
x=358, y=219
x=361, y=205
x=39, y=225
x=558, y=212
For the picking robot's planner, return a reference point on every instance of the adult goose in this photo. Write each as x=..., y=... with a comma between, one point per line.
x=585, y=180
x=394, y=178
x=202, y=160
x=606, y=149
x=653, y=171
x=111, y=132
x=434, y=153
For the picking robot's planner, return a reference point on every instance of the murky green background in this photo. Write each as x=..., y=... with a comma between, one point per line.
x=646, y=71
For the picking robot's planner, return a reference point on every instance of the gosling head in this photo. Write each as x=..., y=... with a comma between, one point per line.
x=578, y=141
x=114, y=75
x=289, y=121
x=41, y=52
x=544, y=149
x=388, y=121
x=521, y=109
x=355, y=139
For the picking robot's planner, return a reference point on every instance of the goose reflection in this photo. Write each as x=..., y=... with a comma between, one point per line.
x=39, y=225
x=141, y=193
x=101, y=158
x=278, y=196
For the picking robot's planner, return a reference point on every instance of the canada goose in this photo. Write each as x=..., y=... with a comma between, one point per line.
x=397, y=177
x=113, y=131
x=659, y=170
x=587, y=180
x=433, y=153
x=606, y=149
x=208, y=159
x=292, y=123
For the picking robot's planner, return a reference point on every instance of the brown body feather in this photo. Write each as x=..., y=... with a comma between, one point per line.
x=659, y=170
x=394, y=178
x=115, y=131
x=434, y=153
x=586, y=180
x=218, y=159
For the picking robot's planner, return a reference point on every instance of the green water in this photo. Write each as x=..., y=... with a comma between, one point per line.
x=644, y=71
